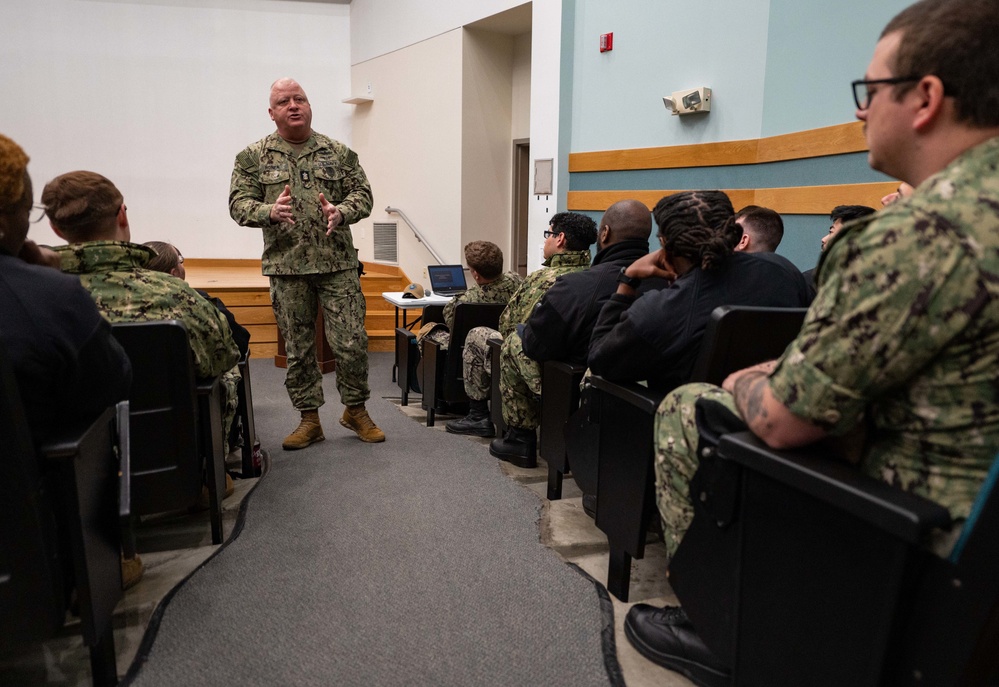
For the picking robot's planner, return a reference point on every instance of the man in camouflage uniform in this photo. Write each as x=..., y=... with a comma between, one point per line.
x=88, y=211
x=304, y=190
x=566, y=250
x=492, y=285
x=904, y=331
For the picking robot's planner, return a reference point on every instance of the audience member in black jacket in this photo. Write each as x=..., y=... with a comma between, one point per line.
x=67, y=365
x=657, y=336
x=559, y=328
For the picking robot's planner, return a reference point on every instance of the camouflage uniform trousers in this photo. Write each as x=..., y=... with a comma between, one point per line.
x=520, y=385
x=676, y=461
x=475, y=365
x=229, y=383
x=296, y=300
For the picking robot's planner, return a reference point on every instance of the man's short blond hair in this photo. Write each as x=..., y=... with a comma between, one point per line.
x=484, y=257
x=13, y=165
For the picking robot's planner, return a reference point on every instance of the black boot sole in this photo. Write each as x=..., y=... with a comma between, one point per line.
x=525, y=462
x=698, y=673
x=485, y=433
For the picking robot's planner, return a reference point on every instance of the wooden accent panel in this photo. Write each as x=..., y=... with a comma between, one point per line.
x=829, y=140
x=601, y=200
x=820, y=200
x=794, y=200
x=667, y=157
x=263, y=350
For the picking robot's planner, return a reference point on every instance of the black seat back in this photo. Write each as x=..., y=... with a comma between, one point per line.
x=32, y=599
x=738, y=336
x=443, y=379
x=166, y=466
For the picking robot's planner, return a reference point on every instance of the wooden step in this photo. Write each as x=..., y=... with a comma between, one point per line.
x=246, y=292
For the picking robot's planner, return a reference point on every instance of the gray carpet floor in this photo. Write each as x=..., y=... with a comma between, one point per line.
x=413, y=562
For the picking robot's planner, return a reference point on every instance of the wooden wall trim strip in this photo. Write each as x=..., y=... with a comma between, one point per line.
x=793, y=200
x=829, y=140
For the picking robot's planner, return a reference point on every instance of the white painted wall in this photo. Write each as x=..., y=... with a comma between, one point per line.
x=409, y=142
x=521, y=105
x=160, y=95
x=549, y=59
x=381, y=26
x=487, y=146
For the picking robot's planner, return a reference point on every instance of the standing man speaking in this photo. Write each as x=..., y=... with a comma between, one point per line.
x=304, y=190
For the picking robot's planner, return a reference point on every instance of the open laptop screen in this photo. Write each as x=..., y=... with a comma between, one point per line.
x=446, y=280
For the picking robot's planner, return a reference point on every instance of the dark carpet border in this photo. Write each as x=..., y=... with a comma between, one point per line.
x=613, y=667
x=152, y=628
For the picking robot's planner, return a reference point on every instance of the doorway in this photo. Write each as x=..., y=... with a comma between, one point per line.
x=521, y=197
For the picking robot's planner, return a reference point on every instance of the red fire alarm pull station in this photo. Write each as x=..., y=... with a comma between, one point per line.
x=606, y=42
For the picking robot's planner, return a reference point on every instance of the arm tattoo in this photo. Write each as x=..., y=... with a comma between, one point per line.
x=748, y=392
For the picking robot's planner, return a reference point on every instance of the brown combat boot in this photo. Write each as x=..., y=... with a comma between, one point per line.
x=357, y=419
x=308, y=432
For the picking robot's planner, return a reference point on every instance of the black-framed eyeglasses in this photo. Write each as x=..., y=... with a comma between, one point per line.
x=862, y=92
x=550, y=232
x=37, y=213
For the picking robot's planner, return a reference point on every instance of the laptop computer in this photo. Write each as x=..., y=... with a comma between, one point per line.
x=447, y=280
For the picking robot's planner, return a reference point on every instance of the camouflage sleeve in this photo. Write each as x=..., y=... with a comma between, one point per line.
x=246, y=194
x=356, y=204
x=211, y=339
x=867, y=330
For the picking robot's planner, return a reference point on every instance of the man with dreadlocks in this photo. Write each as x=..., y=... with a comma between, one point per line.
x=657, y=336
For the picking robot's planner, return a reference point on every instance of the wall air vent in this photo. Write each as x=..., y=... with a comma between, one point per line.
x=386, y=242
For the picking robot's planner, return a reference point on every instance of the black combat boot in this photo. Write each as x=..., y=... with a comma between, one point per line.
x=518, y=446
x=476, y=423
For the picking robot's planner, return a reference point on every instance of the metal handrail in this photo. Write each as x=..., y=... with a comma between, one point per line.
x=419, y=235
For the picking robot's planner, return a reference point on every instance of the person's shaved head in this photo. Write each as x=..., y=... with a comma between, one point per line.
x=627, y=219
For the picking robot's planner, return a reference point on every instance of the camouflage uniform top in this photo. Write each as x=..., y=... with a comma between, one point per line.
x=499, y=291
x=905, y=329
x=114, y=273
x=325, y=166
x=522, y=303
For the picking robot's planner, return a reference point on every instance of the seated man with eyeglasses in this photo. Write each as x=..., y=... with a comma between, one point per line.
x=566, y=250
x=903, y=334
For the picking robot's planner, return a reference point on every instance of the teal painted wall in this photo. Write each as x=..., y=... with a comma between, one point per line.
x=776, y=67
x=814, y=51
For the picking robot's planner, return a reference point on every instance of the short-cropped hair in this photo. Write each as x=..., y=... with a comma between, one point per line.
x=485, y=257
x=580, y=231
x=81, y=202
x=13, y=165
x=766, y=225
x=954, y=40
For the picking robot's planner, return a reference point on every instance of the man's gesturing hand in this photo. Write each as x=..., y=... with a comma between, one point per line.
x=332, y=212
x=281, y=210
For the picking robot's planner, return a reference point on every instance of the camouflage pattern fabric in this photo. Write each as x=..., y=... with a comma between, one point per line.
x=475, y=362
x=499, y=291
x=676, y=456
x=114, y=273
x=302, y=249
x=325, y=166
x=522, y=302
x=475, y=358
x=903, y=333
x=296, y=300
x=520, y=385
